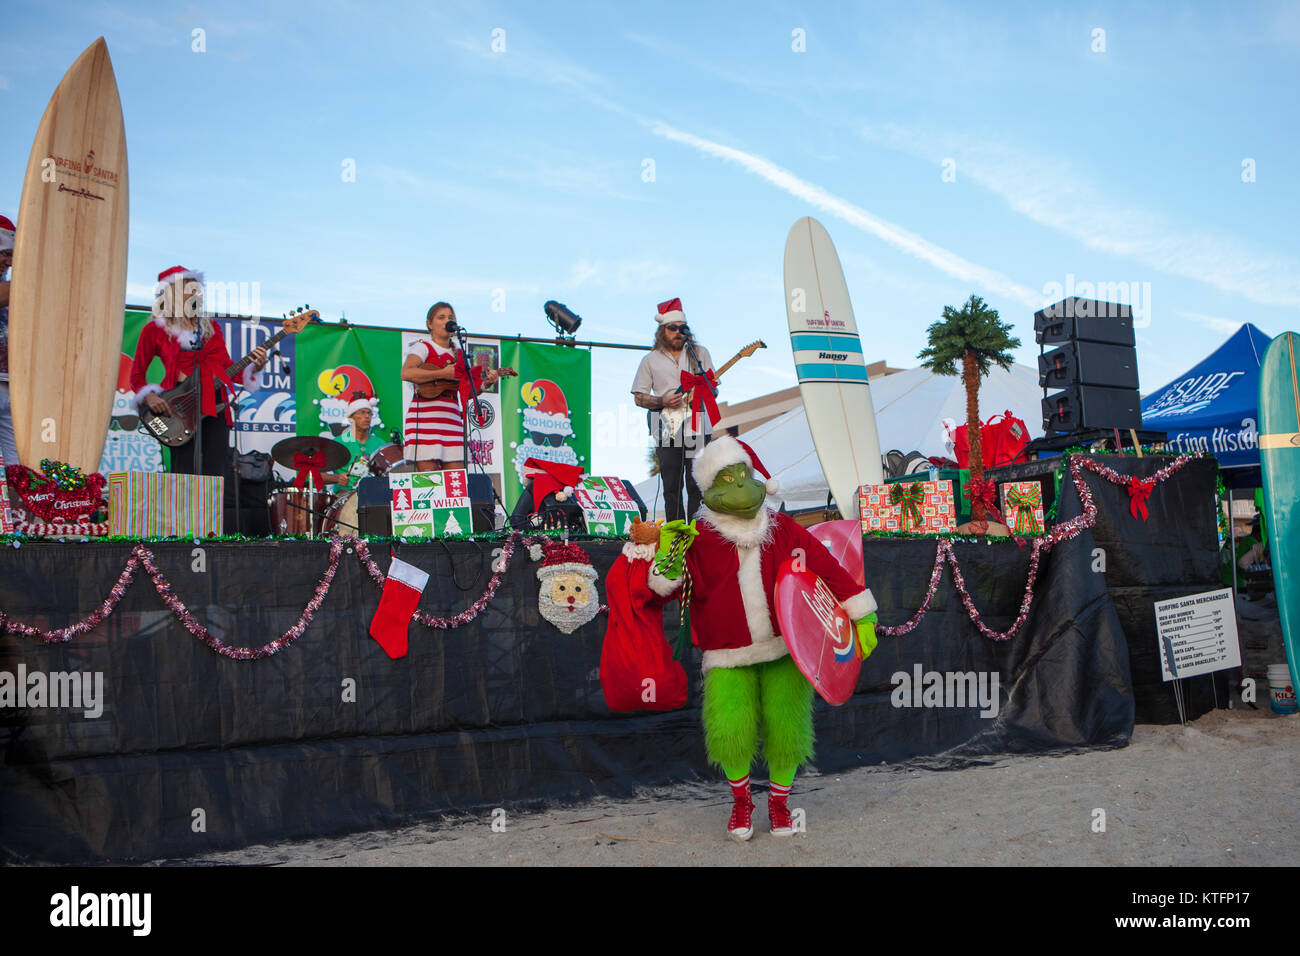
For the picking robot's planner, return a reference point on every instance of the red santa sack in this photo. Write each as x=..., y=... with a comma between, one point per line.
x=1002, y=441
x=637, y=670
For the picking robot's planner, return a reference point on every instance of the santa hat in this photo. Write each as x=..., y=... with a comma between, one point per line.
x=7, y=230
x=722, y=453
x=670, y=311
x=360, y=401
x=558, y=558
x=551, y=476
x=168, y=276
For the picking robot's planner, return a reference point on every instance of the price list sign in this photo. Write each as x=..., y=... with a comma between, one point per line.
x=1198, y=634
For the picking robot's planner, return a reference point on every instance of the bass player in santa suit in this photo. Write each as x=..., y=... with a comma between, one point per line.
x=435, y=427
x=188, y=342
x=655, y=388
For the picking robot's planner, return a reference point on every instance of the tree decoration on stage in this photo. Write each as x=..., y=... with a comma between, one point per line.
x=62, y=495
x=567, y=595
x=975, y=337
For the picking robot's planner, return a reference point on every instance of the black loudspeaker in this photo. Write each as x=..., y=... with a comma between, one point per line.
x=374, y=507
x=481, y=503
x=1084, y=319
x=1089, y=406
x=1088, y=363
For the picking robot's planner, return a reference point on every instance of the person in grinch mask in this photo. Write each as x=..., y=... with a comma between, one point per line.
x=752, y=687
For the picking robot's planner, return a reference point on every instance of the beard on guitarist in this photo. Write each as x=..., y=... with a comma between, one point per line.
x=189, y=343
x=435, y=422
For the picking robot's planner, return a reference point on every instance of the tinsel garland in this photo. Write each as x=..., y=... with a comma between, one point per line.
x=141, y=556
x=945, y=553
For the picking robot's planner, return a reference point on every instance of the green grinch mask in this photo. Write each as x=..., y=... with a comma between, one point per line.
x=736, y=492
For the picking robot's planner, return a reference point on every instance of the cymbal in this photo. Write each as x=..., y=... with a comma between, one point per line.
x=336, y=454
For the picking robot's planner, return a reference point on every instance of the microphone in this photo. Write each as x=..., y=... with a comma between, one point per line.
x=453, y=326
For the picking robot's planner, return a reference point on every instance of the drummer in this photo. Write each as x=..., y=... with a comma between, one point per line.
x=359, y=440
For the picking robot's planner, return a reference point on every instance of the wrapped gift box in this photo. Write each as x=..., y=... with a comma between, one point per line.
x=960, y=478
x=1022, y=506
x=928, y=509
x=606, y=505
x=430, y=504
x=148, y=504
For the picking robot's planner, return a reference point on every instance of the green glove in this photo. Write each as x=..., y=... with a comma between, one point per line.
x=866, y=627
x=668, y=534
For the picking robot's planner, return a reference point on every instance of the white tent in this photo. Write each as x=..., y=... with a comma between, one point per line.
x=910, y=408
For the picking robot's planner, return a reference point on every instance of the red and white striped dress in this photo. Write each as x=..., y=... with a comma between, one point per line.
x=435, y=427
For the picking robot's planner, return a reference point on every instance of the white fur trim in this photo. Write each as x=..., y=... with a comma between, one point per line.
x=717, y=455
x=661, y=585
x=743, y=532
x=860, y=605
x=758, y=613
x=638, y=552
x=772, y=486
x=145, y=392
x=676, y=315
x=568, y=567
x=771, y=649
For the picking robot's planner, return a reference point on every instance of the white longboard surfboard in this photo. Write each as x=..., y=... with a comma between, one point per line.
x=828, y=360
x=67, y=300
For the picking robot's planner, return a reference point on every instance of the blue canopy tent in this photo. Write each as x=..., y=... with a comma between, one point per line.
x=1214, y=407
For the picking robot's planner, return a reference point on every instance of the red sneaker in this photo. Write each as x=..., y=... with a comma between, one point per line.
x=778, y=814
x=741, y=825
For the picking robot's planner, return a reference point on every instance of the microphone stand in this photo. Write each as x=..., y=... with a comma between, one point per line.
x=469, y=454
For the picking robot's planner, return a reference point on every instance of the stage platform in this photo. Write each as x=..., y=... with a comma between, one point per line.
x=195, y=752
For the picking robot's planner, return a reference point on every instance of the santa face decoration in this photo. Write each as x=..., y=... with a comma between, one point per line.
x=567, y=595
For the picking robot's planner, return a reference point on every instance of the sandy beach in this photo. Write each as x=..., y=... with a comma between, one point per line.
x=1212, y=793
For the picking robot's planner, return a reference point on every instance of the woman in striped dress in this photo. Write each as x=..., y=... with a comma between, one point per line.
x=435, y=427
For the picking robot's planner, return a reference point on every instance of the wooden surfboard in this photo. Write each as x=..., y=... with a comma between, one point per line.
x=68, y=294
x=829, y=363
x=1279, y=458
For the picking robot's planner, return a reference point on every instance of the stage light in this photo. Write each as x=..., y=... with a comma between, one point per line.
x=564, y=321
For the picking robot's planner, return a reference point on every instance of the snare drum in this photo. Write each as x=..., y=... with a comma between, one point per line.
x=291, y=511
x=384, y=460
x=341, y=516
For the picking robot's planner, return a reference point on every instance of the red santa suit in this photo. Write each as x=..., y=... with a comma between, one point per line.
x=733, y=564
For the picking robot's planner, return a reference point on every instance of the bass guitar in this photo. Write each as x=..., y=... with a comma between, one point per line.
x=671, y=419
x=183, y=400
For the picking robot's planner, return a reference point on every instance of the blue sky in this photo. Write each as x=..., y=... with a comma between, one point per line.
x=524, y=169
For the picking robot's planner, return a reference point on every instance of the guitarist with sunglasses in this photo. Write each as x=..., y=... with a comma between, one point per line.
x=656, y=387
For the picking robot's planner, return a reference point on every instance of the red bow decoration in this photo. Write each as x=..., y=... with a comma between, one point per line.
x=211, y=363
x=986, y=493
x=1139, y=490
x=703, y=396
x=309, y=465
x=462, y=381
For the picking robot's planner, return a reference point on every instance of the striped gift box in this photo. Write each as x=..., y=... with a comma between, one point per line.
x=6, y=518
x=878, y=513
x=149, y=504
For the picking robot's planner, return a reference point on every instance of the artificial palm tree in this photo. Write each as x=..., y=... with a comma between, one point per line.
x=975, y=337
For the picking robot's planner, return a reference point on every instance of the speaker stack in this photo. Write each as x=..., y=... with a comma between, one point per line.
x=1094, y=364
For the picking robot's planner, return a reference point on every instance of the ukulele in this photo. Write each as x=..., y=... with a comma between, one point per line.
x=671, y=419
x=445, y=386
x=178, y=428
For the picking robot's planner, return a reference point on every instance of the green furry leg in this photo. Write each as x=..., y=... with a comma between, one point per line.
x=730, y=714
x=786, y=700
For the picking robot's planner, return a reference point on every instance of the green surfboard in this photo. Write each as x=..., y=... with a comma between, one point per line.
x=1279, y=457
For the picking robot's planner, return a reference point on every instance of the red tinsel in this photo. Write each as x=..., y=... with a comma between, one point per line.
x=47, y=501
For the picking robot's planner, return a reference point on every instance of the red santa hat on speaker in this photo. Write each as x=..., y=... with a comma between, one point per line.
x=722, y=453
x=168, y=276
x=7, y=231
x=670, y=311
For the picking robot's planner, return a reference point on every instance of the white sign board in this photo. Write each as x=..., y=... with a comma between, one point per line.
x=1198, y=634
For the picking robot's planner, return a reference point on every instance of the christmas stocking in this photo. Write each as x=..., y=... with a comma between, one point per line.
x=397, y=605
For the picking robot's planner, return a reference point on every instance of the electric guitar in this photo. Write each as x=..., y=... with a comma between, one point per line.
x=446, y=386
x=671, y=419
x=178, y=428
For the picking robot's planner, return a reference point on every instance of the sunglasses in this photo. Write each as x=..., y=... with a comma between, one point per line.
x=676, y=328
x=555, y=441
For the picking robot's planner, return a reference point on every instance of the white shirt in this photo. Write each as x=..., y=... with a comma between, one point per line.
x=659, y=374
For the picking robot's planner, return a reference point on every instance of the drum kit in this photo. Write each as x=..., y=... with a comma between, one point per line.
x=314, y=511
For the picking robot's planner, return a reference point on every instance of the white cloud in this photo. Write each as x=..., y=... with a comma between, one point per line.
x=1047, y=191
x=623, y=275
x=903, y=239
x=1215, y=322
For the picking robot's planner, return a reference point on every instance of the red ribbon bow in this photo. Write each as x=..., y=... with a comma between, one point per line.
x=211, y=361
x=703, y=396
x=309, y=465
x=986, y=493
x=462, y=381
x=1139, y=490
